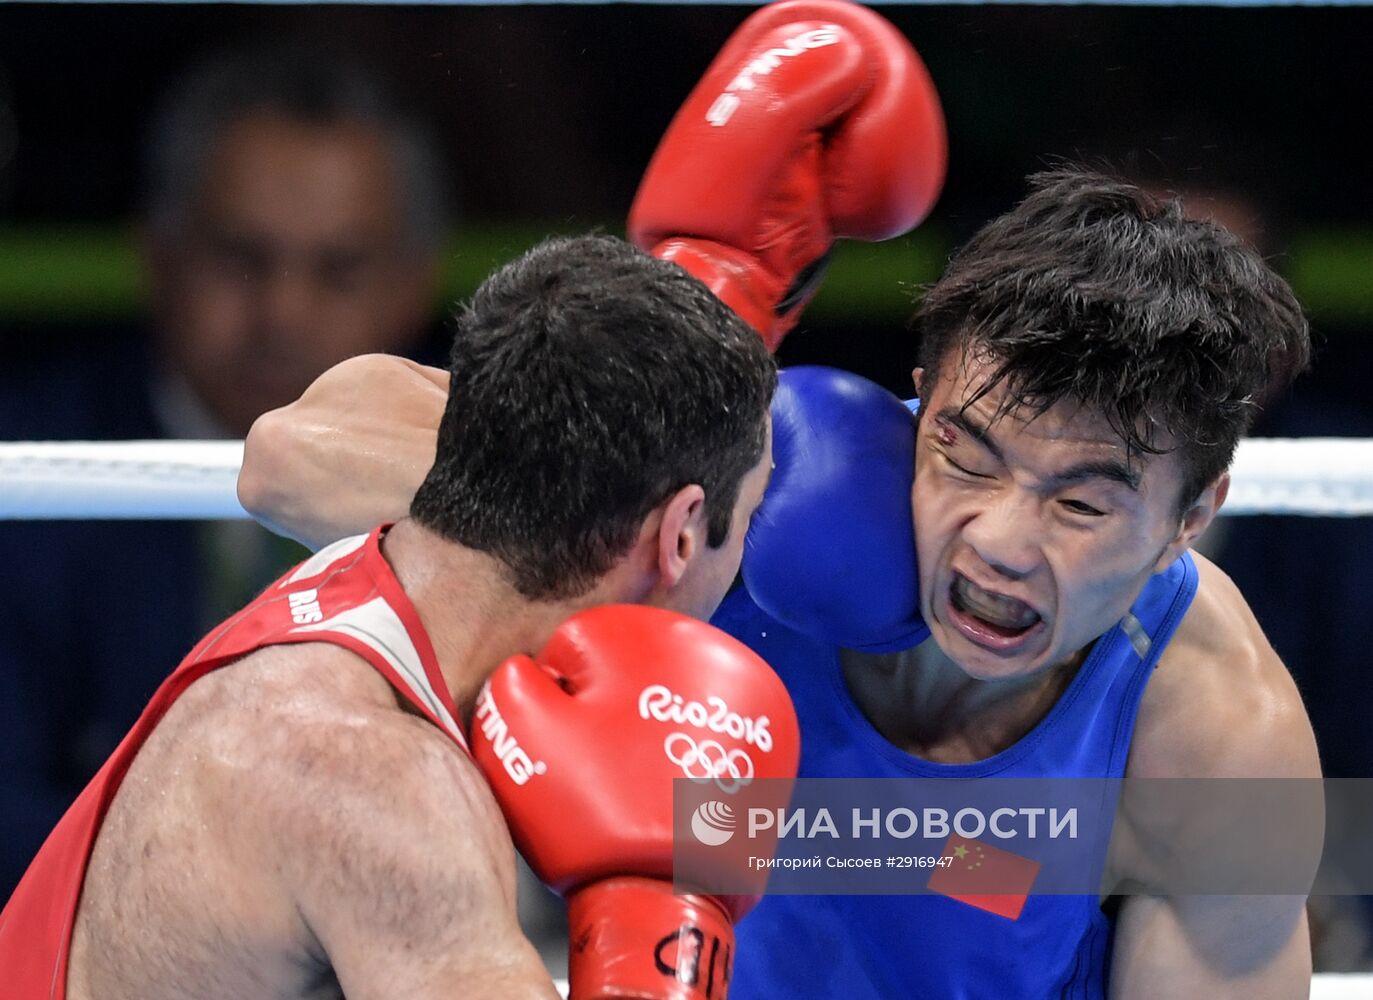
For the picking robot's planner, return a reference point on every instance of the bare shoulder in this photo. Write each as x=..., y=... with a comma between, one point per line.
x=386, y=838
x=1221, y=703
x=287, y=817
x=361, y=798
x=1214, y=888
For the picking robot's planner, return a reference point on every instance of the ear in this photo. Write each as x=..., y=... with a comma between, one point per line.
x=1195, y=520
x=918, y=377
x=681, y=533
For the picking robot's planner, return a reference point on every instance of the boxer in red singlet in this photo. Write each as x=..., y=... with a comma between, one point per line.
x=307, y=823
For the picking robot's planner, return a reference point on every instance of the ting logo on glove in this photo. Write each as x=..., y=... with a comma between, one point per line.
x=724, y=106
x=507, y=749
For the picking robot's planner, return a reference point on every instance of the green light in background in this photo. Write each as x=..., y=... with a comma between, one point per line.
x=54, y=275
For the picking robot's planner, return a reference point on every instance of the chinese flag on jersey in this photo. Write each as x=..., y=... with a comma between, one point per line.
x=984, y=876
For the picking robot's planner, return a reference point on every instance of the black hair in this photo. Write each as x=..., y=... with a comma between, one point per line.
x=590, y=382
x=1094, y=291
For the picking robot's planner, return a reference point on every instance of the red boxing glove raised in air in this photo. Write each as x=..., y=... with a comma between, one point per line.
x=581, y=745
x=816, y=121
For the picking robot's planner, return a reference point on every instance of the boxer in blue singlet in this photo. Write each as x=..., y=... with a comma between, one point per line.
x=1089, y=361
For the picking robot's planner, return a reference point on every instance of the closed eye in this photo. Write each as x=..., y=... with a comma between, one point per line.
x=1078, y=507
x=965, y=471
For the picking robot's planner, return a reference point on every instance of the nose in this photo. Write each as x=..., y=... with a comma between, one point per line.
x=286, y=299
x=1005, y=534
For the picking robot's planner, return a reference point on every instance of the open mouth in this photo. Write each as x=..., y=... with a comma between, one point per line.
x=990, y=618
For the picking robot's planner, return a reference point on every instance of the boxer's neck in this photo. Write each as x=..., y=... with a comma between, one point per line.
x=924, y=703
x=472, y=613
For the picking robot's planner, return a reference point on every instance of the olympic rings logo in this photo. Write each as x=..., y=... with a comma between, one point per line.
x=707, y=761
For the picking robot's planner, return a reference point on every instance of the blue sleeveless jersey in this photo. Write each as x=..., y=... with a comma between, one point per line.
x=930, y=946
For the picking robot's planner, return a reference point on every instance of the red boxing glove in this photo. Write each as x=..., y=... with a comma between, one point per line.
x=581, y=746
x=816, y=121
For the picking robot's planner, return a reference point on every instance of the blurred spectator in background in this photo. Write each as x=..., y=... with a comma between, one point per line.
x=294, y=217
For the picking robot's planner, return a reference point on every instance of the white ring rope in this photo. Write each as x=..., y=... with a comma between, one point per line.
x=120, y=479
x=1324, y=986
x=196, y=479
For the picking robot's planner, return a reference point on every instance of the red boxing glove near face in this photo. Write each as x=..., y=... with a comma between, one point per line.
x=816, y=121
x=581, y=746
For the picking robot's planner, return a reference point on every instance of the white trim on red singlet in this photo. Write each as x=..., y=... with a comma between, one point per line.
x=376, y=624
x=320, y=561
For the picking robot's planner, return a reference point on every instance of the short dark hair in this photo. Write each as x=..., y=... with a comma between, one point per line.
x=302, y=83
x=590, y=381
x=1094, y=291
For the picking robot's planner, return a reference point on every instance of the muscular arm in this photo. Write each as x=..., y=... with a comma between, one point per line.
x=348, y=454
x=1221, y=707
x=401, y=868
x=1217, y=947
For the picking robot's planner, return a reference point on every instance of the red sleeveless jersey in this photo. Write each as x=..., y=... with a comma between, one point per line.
x=345, y=594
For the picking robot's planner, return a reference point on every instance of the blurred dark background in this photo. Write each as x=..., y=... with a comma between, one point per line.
x=549, y=113
x=546, y=116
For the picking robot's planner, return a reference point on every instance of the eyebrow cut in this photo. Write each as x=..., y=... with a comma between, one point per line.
x=1110, y=469
x=956, y=416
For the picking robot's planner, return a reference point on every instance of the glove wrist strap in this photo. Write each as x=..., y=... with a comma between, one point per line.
x=632, y=937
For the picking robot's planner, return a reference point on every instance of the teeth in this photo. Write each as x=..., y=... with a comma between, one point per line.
x=994, y=608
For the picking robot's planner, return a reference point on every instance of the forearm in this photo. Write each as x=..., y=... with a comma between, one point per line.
x=348, y=454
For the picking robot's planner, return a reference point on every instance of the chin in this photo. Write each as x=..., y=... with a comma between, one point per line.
x=985, y=670
x=988, y=665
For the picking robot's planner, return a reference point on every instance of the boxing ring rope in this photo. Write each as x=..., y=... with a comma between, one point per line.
x=1329, y=477
x=1326, y=477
